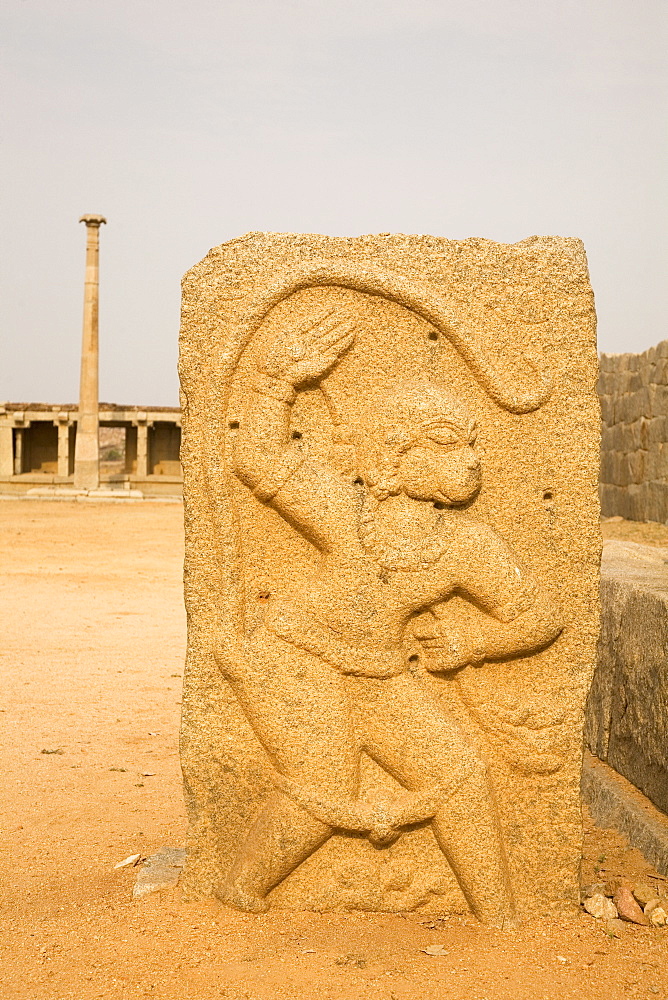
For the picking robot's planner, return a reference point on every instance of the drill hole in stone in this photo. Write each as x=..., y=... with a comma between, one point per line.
x=264, y=595
x=296, y=435
x=432, y=335
x=548, y=495
x=234, y=425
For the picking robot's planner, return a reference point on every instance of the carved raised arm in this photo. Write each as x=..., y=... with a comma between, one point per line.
x=263, y=456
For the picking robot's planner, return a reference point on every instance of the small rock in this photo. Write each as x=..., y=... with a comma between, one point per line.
x=644, y=893
x=132, y=860
x=610, y=887
x=435, y=949
x=627, y=908
x=658, y=917
x=160, y=871
x=614, y=928
x=600, y=907
x=57, y=750
x=357, y=961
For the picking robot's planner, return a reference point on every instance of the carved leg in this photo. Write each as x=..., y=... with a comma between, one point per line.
x=297, y=708
x=408, y=734
x=282, y=836
x=467, y=830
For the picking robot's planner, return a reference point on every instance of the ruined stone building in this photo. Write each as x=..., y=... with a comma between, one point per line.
x=139, y=448
x=91, y=448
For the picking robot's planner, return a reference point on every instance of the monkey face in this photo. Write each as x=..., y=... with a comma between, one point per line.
x=441, y=473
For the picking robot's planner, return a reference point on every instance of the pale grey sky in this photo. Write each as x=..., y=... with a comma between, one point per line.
x=190, y=123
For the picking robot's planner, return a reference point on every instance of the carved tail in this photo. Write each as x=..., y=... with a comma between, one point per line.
x=518, y=392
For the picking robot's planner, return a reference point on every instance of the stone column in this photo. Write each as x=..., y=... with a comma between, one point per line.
x=142, y=450
x=63, y=446
x=19, y=441
x=6, y=450
x=87, y=449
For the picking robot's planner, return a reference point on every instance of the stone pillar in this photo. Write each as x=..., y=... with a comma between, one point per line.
x=87, y=449
x=6, y=450
x=142, y=450
x=63, y=446
x=18, y=451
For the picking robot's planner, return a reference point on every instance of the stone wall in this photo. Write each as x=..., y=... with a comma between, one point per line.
x=633, y=389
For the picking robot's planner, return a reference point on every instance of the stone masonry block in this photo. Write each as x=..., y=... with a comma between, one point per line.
x=658, y=400
x=657, y=431
x=656, y=463
x=659, y=374
x=615, y=501
x=607, y=409
x=606, y=473
x=392, y=552
x=631, y=406
x=627, y=708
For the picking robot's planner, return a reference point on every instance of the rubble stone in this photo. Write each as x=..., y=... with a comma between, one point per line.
x=600, y=907
x=644, y=893
x=627, y=907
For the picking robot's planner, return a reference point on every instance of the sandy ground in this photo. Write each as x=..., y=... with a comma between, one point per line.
x=642, y=532
x=92, y=651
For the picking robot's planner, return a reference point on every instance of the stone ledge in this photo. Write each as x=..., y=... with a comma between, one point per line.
x=615, y=802
x=625, y=722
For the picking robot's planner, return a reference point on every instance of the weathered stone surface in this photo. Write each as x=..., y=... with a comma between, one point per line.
x=392, y=622
x=627, y=708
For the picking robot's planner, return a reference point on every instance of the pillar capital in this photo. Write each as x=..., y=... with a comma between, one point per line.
x=93, y=220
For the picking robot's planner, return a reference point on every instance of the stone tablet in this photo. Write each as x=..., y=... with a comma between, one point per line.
x=392, y=548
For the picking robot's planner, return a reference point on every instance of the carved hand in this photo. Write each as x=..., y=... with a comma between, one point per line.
x=306, y=354
x=445, y=650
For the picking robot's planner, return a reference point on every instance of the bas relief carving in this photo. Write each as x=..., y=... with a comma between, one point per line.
x=331, y=662
x=406, y=581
